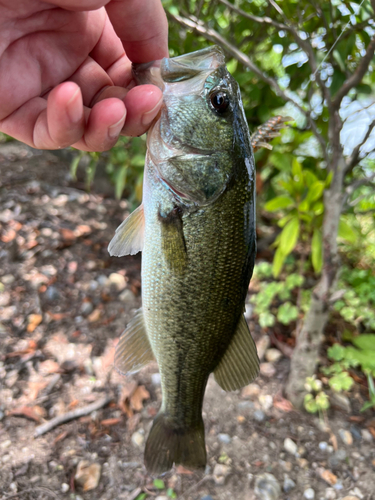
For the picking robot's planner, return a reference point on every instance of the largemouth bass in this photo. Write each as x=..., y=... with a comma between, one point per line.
x=196, y=229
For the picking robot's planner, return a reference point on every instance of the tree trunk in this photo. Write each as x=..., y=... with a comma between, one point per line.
x=306, y=353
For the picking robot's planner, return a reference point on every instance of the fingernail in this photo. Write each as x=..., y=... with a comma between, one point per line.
x=114, y=130
x=150, y=115
x=74, y=107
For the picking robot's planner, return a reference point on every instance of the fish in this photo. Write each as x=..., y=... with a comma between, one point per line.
x=196, y=230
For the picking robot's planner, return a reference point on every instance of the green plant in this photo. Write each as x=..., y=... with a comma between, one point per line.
x=123, y=164
x=316, y=400
x=273, y=300
x=371, y=391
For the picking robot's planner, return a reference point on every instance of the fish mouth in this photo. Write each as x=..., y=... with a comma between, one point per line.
x=180, y=68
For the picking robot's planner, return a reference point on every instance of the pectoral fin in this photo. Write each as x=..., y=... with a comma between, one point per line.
x=240, y=363
x=128, y=239
x=173, y=240
x=133, y=351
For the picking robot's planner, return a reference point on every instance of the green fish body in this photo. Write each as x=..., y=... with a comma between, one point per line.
x=196, y=229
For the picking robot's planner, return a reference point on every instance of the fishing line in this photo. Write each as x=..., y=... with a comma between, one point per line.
x=337, y=39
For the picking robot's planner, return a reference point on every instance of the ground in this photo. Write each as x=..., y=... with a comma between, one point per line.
x=63, y=304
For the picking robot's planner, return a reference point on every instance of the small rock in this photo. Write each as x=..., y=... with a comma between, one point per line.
x=309, y=494
x=245, y=405
x=367, y=436
x=102, y=280
x=323, y=446
x=287, y=466
x=336, y=458
x=161, y=497
x=346, y=437
x=138, y=438
x=259, y=416
x=341, y=401
x=4, y=299
x=357, y=492
x=288, y=485
x=65, y=487
x=5, y=459
x=250, y=391
x=86, y=308
x=220, y=473
x=7, y=279
x=248, y=311
x=5, y=444
x=303, y=463
x=290, y=446
x=330, y=494
x=356, y=433
x=52, y=294
x=127, y=295
x=224, y=438
x=350, y=497
x=117, y=280
x=156, y=378
x=262, y=346
x=267, y=369
x=328, y=476
x=266, y=401
x=273, y=355
x=267, y=487
x=207, y=497
x=13, y=487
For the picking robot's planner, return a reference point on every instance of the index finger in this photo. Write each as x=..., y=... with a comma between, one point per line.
x=142, y=27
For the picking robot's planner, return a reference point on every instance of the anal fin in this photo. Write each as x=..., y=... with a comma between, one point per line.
x=240, y=364
x=128, y=239
x=133, y=351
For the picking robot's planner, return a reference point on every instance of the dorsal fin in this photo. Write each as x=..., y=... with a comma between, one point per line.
x=240, y=363
x=128, y=239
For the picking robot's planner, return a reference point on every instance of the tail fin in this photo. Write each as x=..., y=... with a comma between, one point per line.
x=167, y=445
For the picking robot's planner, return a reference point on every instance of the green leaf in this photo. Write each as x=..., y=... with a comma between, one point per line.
x=141, y=496
x=310, y=403
x=336, y=352
x=278, y=203
x=278, y=262
x=287, y=313
x=316, y=251
x=289, y=236
x=171, y=493
x=74, y=165
x=159, y=484
x=365, y=342
x=322, y=401
x=266, y=319
x=347, y=232
x=341, y=382
x=315, y=191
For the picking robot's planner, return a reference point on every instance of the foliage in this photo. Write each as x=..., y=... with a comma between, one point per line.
x=371, y=389
x=274, y=298
x=316, y=400
x=357, y=306
x=124, y=165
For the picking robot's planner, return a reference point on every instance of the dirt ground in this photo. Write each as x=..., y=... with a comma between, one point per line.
x=63, y=304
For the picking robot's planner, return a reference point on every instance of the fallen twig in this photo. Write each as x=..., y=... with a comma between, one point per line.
x=32, y=490
x=71, y=415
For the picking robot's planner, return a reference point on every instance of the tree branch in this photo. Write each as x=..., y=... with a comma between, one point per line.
x=214, y=36
x=356, y=77
x=355, y=185
x=354, y=157
x=256, y=19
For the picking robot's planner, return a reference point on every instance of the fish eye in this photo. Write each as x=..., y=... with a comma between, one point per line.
x=220, y=101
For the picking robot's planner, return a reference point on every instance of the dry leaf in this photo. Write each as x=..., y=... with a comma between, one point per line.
x=110, y=421
x=182, y=470
x=8, y=236
x=34, y=388
x=33, y=413
x=48, y=366
x=60, y=437
x=94, y=316
x=333, y=440
x=137, y=398
x=87, y=475
x=81, y=230
x=33, y=321
x=283, y=404
x=328, y=477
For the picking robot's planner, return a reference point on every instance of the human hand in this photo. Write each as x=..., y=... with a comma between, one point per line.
x=65, y=70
